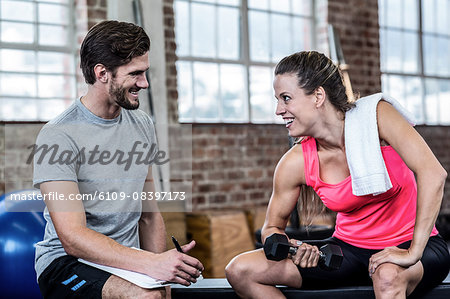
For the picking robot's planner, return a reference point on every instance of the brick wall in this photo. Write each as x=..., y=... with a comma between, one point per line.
x=357, y=24
x=17, y=174
x=233, y=165
x=171, y=58
x=438, y=138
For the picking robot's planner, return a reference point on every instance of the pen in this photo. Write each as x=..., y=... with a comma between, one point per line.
x=177, y=245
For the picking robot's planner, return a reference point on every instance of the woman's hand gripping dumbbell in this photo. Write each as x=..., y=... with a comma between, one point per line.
x=277, y=247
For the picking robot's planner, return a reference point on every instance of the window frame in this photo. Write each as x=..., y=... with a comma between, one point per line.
x=421, y=73
x=243, y=60
x=36, y=48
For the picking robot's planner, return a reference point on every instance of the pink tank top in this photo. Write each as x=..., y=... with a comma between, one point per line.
x=368, y=221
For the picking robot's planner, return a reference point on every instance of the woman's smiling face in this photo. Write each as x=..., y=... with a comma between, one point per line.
x=295, y=107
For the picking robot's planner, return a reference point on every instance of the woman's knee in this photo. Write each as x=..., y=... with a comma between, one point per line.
x=236, y=268
x=239, y=269
x=388, y=278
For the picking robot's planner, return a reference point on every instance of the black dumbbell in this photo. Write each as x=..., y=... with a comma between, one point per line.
x=277, y=248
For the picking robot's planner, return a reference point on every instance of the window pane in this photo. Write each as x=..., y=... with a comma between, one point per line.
x=17, y=85
x=53, y=14
x=55, y=1
x=17, y=11
x=410, y=53
x=444, y=101
x=261, y=94
x=385, y=83
x=302, y=7
x=410, y=14
x=54, y=62
x=52, y=86
x=381, y=12
x=206, y=91
x=233, y=94
x=428, y=18
x=281, y=37
x=203, y=35
x=258, y=4
x=18, y=109
x=443, y=57
x=17, y=60
x=182, y=28
x=17, y=33
x=430, y=53
x=259, y=36
x=302, y=35
x=396, y=89
x=394, y=9
x=393, y=50
x=185, y=104
x=383, y=47
x=230, y=2
x=280, y=5
x=49, y=109
x=413, y=98
x=228, y=33
x=432, y=101
x=53, y=35
x=443, y=14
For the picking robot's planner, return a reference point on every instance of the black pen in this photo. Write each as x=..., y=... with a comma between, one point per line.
x=177, y=245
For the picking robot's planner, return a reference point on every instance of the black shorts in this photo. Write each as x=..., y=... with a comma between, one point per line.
x=354, y=270
x=66, y=277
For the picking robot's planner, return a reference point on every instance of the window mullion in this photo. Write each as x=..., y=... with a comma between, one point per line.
x=421, y=63
x=35, y=46
x=245, y=52
x=191, y=64
x=219, y=65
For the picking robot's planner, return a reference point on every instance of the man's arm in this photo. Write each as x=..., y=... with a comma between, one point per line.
x=69, y=219
x=152, y=232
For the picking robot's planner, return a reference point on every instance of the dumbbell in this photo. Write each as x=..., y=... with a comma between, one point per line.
x=277, y=248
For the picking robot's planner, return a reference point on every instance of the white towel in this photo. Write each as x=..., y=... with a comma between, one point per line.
x=362, y=145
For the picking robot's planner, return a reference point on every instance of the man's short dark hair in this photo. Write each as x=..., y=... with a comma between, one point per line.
x=112, y=44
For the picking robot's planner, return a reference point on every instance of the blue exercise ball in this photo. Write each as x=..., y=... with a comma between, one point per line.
x=21, y=227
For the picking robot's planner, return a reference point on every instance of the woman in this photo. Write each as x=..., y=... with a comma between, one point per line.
x=388, y=240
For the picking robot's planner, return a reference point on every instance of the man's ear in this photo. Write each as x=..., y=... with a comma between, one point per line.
x=320, y=96
x=101, y=74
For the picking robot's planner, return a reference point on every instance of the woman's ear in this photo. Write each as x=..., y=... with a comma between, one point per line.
x=101, y=74
x=320, y=96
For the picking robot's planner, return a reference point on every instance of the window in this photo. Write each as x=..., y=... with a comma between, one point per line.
x=227, y=50
x=415, y=64
x=37, y=60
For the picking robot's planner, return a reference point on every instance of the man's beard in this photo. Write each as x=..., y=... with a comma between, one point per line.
x=119, y=94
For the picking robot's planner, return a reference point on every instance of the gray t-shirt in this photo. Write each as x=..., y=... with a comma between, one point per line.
x=108, y=158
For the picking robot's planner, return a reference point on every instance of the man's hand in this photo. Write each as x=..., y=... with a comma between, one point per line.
x=307, y=256
x=176, y=267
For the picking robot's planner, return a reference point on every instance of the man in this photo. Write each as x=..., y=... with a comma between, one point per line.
x=97, y=172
